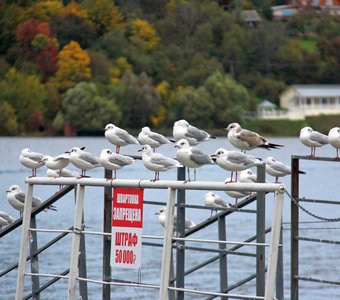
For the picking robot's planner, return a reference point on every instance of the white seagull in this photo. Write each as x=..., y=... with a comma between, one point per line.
x=5, y=219
x=151, y=138
x=162, y=219
x=183, y=130
x=83, y=160
x=16, y=197
x=247, y=176
x=191, y=157
x=62, y=173
x=234, y=161
x=118, y=136
x=312, y=139
x=236, y=194
x=334, y=140
x=213, y=200
x=245, y=139
x=278, y=169
x=58, y=162
x=31, y=160
x=114, y=161
x=157, y=162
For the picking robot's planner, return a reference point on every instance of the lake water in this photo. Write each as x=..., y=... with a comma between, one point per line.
x=316, y=259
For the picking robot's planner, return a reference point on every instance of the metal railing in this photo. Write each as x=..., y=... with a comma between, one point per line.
x=265, y=287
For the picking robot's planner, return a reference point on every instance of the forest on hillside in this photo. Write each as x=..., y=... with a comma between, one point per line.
x=78, y=65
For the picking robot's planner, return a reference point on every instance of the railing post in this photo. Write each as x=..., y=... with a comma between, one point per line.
x=180, y=250
x=222, y=236
x=294, y=242
x=260, y=234
x=82, y=265
x=107, y=227
x=19, y=295
x=279, y=273
x=34, y=259
x=274, y=246
x=167, y=245
x=77, y=231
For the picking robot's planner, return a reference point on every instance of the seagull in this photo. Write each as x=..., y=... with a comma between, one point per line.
x=234, y=161
x=183, y=130
x=31, y=160
x=215, y=201
x=278, y=169
x=236, y=194
x=62, y=173
x=190, y=156
x=157, y=162
x=114, y=161
x=58, y=162
x=5, y=219
x=247, y=176
x=153, y=139
x=334, y=140
x=245, y=139
x=162, y=219
x=312, y=139
x=83, y=160
x=16, y=197
x=118, y=136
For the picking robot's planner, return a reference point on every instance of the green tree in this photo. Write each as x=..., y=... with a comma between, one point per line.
x=27, y=96
x=229, y=98
x=137, y=98
x=87, y=110
x=8, y=120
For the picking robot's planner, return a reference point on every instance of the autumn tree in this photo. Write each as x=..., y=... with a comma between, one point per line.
x=73, y=66
x=143, y=34
x=105, y=15
x=8, y=120
x=43, y=10
x=84, y=108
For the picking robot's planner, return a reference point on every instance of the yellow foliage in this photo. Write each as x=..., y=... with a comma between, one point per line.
x=121, y=66
x=163, y=88
x=74, y=9
x=44, y=10
x=73, y=65
x=158, y=119
x=143, y=34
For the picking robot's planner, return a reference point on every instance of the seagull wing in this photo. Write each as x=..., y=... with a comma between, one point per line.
x=90, y=158
x=162, y=160
x=319, y=138
x=199, y=157
x=158, y=138
x=196, y=133
x=239, y=158
x=121, y=160
x=20, y=197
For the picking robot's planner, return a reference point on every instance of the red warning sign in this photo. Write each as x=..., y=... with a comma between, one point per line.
x=127, y=222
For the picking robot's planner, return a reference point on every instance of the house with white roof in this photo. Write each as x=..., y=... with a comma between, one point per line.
x=304, y=100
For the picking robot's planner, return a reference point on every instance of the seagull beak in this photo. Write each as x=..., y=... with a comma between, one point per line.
x=82, y=148
x=156, y=213
x=140, y=150
x=68, y=152
x=226, y=129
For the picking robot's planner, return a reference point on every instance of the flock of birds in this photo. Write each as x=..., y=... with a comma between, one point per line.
x=186, y=138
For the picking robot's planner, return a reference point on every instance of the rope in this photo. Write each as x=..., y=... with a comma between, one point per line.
x=325, y=219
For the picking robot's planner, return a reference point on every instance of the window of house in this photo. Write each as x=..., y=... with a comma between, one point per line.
x=324, y=101
x=308, y=101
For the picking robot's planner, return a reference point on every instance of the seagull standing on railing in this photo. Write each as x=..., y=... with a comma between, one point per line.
x=245, y=139
x=153, y=139
x=5, y=219
x=334, y=140
x=83, y=160
x=162, y=219
x=62, y=173
x=58, y=162
x=16, y=197
x=31, y=160
x=236, y=194
x=157, y=162
x=183, y=130
x=214, y=201
x=247, y=176
x=191, y=157
x=312, y=139
x=278, y=169
x=118, y=136
x=114, y=161
x=234, y=161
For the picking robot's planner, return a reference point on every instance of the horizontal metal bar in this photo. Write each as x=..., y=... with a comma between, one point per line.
x=47, y=275
x=132, y=284
x=220, y=208
x=318, y=240
x=331, y=159
x=317, y=280
x=160, y=184
x=46, y=285
x=319, y=201
x=219, y=242
x=235, y=296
